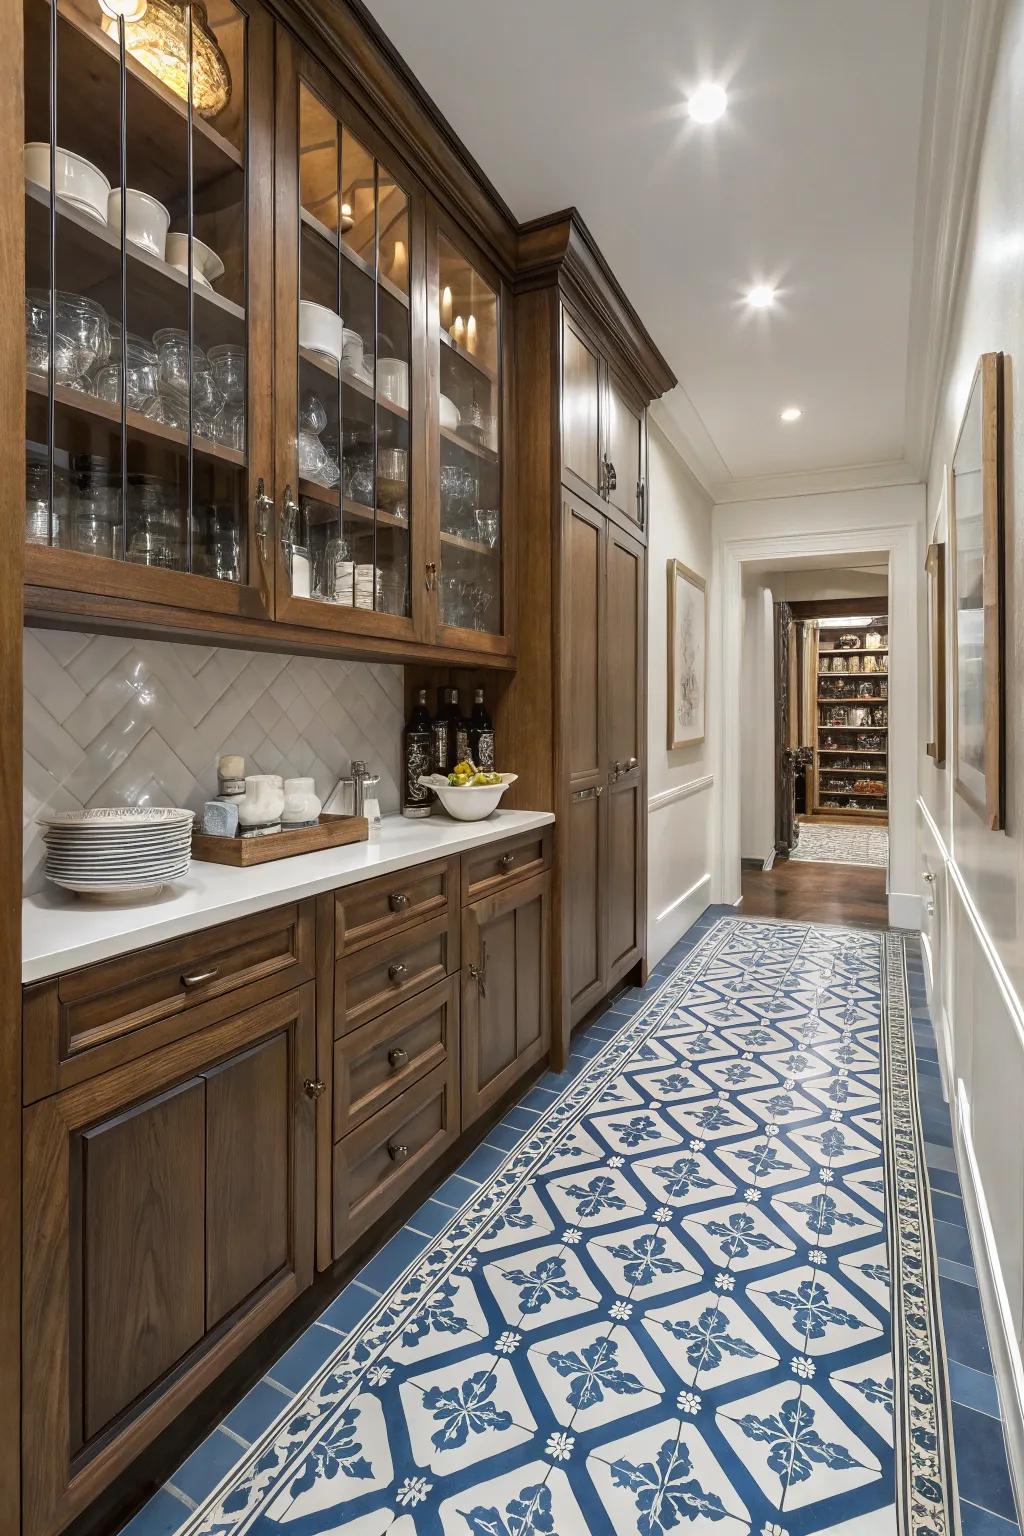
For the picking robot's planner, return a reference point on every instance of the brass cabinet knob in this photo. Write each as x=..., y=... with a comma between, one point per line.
x=507, y=860
x=927, y=875
x=314, y=1087
x=398, y=901
x=430, y=575
x=397, y=1058
x=397, y=971
x=398, y=1152
x=197, y=978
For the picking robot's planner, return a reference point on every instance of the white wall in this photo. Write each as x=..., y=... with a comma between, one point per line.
x=679, y=784
x=757, y=723
x=887, y=521
x=812, y=586
x=974, y=937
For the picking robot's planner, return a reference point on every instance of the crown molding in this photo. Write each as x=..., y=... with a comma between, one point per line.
x=817, y=482
x=963, y=44
x=678, y=419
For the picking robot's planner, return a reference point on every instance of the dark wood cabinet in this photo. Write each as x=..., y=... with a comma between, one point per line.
x=624, y=687
x=168, y=1218
x=505, y=991
x=603, y=429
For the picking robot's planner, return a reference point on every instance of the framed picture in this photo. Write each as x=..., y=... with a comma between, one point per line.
x=976, y=526
x=687, y=655
x=935, y=567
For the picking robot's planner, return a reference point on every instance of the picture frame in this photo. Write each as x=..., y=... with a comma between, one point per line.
x=977, y=535
x=935, y=569
x=687, y=633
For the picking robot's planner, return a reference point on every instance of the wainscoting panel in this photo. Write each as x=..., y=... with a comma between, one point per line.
x=678, y=861
x=112, y=721
x=979, y=1023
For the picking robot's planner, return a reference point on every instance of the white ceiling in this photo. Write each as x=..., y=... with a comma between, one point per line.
x=809, y=181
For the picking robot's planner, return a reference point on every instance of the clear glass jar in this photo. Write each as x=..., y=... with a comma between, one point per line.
x=140, y=373
x=228, y=364
x=38, y=524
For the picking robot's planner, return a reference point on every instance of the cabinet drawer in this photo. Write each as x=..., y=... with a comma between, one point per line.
x=376, y=1063
x=375, y=909
x=487, y=870
x=380, y=975
x=388, y=1152
x=89, y=1020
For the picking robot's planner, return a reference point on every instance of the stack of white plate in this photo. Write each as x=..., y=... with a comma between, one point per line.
x=366, y=586
x=117, y=852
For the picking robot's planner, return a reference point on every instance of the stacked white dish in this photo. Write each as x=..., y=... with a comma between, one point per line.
x=117, y=852
x=366, y=587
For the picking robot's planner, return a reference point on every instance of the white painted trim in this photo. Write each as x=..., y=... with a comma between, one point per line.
x=679, y=792
x=995, y=1304
x=904, y=910
x=900, y=542
x=705, y=879
x=816, y=482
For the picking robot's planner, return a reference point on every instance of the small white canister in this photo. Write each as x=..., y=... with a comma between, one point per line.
x=301, y=804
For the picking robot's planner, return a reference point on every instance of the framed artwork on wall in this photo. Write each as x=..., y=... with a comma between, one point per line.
x=935, y=568
x=976, y=525
x=687, y=655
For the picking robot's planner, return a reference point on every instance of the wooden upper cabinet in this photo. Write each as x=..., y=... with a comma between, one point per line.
x=470, y=559
x=581, y=406
x=625, y=453
x=603, y=430
x=350, y=368
x=148, y=421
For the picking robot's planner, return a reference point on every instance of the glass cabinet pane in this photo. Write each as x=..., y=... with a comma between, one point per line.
x=346, y=540
x=470, y=480
x=136, y=282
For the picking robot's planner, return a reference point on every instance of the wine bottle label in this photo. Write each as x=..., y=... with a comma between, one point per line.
x=440, y=746
x=461, y=743
x=485, y=752
x=417, y=798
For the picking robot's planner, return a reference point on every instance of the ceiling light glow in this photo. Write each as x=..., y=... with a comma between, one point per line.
x=791, y=413
x=707, y=103
x=761, y=296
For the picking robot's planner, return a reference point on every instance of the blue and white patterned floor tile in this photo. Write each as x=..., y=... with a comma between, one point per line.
x=662, y=1299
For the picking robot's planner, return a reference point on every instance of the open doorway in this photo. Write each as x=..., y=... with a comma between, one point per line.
x=814, y=798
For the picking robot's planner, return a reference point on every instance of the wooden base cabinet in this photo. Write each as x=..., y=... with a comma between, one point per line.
x=168, y=1217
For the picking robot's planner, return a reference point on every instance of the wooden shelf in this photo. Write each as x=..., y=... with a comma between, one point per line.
x=855, y=752
x=861, y=772
x=311, y=223
x=327, y=498
x=92, y=251
x=855, y=699
x=330, y=370
x=855, y=650
x=470, y=546
x=822, y=728
x=140, y=427
x=854, y=674
x=452, y=349
x=477, y=450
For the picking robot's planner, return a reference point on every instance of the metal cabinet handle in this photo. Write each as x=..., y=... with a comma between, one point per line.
x=479, y=972
x=397, y=971
x=430, y=573
x=397, y=1058
x=611, y=477
x=633, y=762
x=614, y=772
x=927, y=875
x=397, y=1151
x=930, y=909
x=314, y=1087
x=598, y=791
x=398, y=901
x=197, y=978
x=507, y=860
x=641, y=504
x=594, y=792
x=264, y=511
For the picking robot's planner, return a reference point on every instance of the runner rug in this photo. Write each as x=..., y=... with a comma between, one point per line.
x=700, y=1295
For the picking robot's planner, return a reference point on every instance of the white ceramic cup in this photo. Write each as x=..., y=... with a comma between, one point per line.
x=263, y=800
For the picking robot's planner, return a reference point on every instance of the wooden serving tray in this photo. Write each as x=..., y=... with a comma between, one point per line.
x=332, y=832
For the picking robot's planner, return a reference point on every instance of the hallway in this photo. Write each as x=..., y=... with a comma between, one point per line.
x=819, y=893
x=699, y=1328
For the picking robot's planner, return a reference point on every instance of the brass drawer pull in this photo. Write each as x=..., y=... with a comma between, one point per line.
x=398, y=901
x=479, y=972
x=196, y=978
x=398, y=1152
x=507, y=860
x=397, y=971
x=314, y=1087
x=398, y=1058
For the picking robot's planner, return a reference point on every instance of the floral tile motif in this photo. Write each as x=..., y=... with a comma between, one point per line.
x=682, y=1302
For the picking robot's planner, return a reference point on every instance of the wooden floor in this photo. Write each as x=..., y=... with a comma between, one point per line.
x=818, y=893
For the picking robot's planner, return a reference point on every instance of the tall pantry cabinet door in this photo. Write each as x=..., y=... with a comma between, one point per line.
x=581, y=409
x=626, y=609
x=625, y=451
x=583, y=709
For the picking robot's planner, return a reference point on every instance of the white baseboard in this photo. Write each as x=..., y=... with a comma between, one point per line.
x=904, y=910
x=1006, y=1358
x=672, y=922
x=940, y=1021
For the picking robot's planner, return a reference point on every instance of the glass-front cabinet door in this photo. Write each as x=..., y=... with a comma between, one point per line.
x=148, y=294
x=350, y=238
x=470, y=565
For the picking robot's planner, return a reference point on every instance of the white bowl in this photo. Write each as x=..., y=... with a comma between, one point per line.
x=207, y=266
x=79, y=182
x=393, y=380
x=321, y=330
x=449, y=414
x=470, y=803
x=145, y=220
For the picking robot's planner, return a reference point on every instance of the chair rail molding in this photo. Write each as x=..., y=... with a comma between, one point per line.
x=679, y=792
x=900, y=542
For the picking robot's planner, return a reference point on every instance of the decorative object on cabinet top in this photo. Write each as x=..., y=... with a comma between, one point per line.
x=117, y=721
x=215, y=893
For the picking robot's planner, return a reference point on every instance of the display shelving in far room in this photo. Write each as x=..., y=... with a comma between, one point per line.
x=863, y=669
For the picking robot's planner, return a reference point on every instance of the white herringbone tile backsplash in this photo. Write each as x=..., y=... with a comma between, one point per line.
x=110, y=721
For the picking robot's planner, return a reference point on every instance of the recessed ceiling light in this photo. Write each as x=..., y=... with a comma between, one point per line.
x=761, y=296
x=791, y=413
x=707, y=103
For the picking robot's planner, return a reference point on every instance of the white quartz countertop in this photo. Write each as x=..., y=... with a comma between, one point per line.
x=61, y=931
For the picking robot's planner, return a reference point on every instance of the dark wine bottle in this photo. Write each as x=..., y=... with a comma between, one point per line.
x=417, y=753
x=443, y=735
x=481, y=735
x=460, y=749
